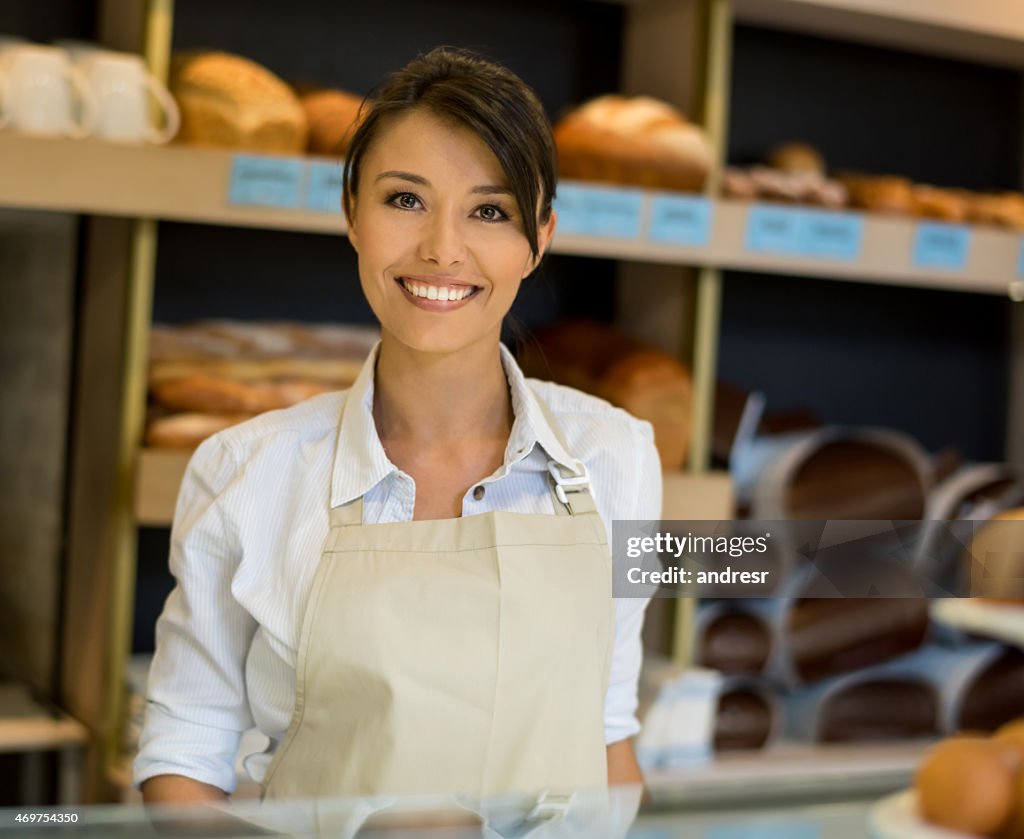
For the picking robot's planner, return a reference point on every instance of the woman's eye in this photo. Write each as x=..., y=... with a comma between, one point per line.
x=404, y=200
x=490, y=212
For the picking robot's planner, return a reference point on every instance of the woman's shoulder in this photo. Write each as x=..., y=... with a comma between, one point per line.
x=311, y=421
x=584, y=410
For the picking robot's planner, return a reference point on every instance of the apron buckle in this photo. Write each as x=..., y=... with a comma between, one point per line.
x=577, y=483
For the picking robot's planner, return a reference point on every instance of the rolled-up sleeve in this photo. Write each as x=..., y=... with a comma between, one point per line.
x=644, y=505
x=197, y=708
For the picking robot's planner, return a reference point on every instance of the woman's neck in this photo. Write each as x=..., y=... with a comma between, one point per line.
x=440, y=399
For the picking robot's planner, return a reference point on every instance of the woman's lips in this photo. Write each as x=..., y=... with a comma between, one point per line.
x=436, y=305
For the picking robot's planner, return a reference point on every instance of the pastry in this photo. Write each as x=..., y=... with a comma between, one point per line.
x=797, y=157
x=186, y=431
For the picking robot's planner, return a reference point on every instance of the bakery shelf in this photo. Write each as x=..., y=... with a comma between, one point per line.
x=193, y=185
x=794, y=772
x=158, y=476
x=990, y=32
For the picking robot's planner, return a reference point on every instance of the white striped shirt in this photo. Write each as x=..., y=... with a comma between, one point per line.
x=249, y=529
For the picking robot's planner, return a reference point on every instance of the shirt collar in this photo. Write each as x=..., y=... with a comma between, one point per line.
x=360, y=462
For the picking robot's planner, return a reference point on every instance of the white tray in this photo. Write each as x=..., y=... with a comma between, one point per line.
x=896, y=817
x=993, y=620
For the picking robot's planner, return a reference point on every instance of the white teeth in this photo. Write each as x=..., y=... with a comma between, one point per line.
x=430, y=292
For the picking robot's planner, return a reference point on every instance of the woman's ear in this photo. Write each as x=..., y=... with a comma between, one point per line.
x=544, y=234
x=353, y=236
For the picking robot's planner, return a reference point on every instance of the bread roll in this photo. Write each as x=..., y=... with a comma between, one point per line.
x=599, y=359
x=884, y=194
x=639, y=141
x=943, y=204
x=333, y=116
x=229, y=101
x=797, y=157
x=1006, y=210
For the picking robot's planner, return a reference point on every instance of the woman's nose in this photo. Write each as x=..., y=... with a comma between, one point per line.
x=442, y=242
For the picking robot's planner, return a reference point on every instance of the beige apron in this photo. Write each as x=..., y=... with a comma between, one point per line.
x=465, y=655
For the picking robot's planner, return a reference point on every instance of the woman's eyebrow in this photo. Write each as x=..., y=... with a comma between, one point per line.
x=491, y=190
x=404, y=176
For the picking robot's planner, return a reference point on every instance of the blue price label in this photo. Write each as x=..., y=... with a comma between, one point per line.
x=266, y=181
x=323, y=186
x=570, y=205
x=829, y=235
x=596, y=211
x=680, y=220
x=615, y=213
x=1020, y=259
x=773, y=229
x=941, y=246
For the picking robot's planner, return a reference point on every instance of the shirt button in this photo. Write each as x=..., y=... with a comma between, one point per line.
x=478, y=493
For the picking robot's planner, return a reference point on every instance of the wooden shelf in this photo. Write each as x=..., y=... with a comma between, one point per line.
x=986, y=32
x=159, y=474
x=193, y=185
x=26, y=726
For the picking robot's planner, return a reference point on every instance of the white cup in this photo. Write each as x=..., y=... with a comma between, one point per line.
x=120, y=83
x=38, y=89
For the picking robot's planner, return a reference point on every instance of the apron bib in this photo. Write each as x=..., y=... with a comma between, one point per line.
x=466, y=655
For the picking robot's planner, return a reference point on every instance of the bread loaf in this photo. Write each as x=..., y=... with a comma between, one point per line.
x=229, y=101
x=186, y=431
x=333, y=116
x=647, y=382
x=883, y=194
x=797, y=157
x=639, y=141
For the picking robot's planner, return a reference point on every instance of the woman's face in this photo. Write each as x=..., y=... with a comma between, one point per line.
x=439, y=235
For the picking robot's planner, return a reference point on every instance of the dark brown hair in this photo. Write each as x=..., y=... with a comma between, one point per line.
x=490, y=100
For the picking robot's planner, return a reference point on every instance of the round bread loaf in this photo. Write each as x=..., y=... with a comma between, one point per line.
x=943, y=204
x=639, y=141
x=881, y=194
x=230, y=101
x=333, y=116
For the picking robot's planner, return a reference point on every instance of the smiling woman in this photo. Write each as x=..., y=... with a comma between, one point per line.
x=407, y=585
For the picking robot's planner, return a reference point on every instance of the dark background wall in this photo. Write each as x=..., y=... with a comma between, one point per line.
x=931, y=363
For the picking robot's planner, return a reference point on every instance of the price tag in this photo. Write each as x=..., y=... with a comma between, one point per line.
x=773, y=229
x=830, y=235
x=323, y=186
x=764, y=830
x=680, y=220
x=266, y=181
x=614, y=213
x=570, y=205
x=596, y=211
x=1020, y=259
x=941, y=246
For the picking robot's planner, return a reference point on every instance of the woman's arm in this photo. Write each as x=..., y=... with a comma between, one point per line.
x=622, y=765
x=177, y=789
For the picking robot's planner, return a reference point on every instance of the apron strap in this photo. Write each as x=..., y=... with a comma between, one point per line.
x=348, y=514
x=569, y=490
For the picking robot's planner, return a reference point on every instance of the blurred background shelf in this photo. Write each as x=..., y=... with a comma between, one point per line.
x=193, y=184
x=989, y=32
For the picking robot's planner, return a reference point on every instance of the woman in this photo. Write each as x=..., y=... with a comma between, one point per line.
x=406, y=586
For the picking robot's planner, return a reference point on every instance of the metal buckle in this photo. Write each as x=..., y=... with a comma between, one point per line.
x=579, y=481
